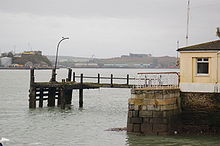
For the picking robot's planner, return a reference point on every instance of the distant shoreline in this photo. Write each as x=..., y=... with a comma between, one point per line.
x=46, y=68
x=23, y=68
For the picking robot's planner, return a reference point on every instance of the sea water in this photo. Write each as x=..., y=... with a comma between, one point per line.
x=103, y=109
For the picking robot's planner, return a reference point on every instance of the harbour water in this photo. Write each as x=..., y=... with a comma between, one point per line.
x=103, y=109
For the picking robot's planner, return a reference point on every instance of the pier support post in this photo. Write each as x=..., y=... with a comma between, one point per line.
x=69, y=96
x=98, y=78
x=74, y=76
x=32, y=94
x=53, y=78
x=59, y=97
x=62, y=98
x=41, y=100
x=81, y=92
x=127, y=79
x=51, y=97
x=32, y=97
x=69, y=74
x=111, y=80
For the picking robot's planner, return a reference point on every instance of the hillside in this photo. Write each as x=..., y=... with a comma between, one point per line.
x=125, y=61
x=32, y=59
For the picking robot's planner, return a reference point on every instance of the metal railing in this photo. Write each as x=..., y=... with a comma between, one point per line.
x=157, y=79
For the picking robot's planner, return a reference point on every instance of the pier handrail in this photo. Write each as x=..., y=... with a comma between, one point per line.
x=158, y=79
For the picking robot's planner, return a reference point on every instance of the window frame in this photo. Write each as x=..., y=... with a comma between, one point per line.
x=202, y=60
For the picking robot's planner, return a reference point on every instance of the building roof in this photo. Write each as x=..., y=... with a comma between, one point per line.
x=208, y=46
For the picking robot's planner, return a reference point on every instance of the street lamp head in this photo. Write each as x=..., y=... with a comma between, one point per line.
x=65, y=38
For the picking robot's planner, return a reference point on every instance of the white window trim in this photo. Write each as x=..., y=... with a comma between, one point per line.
x=202, y=74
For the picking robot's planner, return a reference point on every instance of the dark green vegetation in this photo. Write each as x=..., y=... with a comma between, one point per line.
x=35, y=59
x=125, y=61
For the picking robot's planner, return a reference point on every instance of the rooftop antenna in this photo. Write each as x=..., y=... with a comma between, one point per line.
x=187, y=23
x=177, y=56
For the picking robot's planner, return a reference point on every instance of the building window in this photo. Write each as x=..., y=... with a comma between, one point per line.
x=203, y=66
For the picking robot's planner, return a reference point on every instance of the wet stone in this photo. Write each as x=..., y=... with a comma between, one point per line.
x=130, y=127
x=137, y=120
x=145, y=113
x=137, y=128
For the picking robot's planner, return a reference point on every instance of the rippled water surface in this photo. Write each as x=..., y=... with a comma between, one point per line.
x=103, y=109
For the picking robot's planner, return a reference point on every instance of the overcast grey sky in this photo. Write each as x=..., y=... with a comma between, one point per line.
x=105, y=28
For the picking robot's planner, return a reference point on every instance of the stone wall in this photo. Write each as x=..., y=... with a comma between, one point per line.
x=153, y=112
x=200, y=113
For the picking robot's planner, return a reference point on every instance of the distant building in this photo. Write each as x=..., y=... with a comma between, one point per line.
x=6, y=61
x=85, y=65
x=32, y=53
x=139, y=55
x=136, y=55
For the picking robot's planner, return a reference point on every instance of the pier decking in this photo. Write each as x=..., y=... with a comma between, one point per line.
x=61, y=92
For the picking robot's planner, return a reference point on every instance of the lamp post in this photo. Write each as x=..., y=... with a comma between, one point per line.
x=53, y=79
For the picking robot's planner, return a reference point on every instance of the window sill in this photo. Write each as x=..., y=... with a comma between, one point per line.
x=202, y=75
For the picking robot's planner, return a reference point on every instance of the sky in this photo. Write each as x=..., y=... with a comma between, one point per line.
x=105, y=28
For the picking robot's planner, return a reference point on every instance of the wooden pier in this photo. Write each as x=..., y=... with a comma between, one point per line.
x=60, y=93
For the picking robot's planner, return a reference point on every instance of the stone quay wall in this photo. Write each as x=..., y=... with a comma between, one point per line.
x=200, y=113
x=153, y=111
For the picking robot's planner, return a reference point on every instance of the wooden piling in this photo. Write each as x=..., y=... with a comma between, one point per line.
x=32, y=98
x=32, y=94
x=62, y=98
x=74, y=76
x=69, y=74
x=127, y=79
x=98, y=78
x=32, y=77
x=111, y=80
x=59, y=97
x=41, y=100
x=81, y=92
x=51, y=97
x=53, y=78
x=68, y=96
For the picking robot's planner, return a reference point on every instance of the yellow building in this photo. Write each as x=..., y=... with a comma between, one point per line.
x=200, y=67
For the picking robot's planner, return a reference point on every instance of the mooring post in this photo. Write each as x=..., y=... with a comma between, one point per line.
x=31, y=77
x=32, y=90
x=59, y=97
x=127, y=79
x=53, y=78
x=51, y=97
x=111, y=80
x=74, y=76
x=69, y=96
x=81, y=92
x=98, y=78
x=69, y=74
x=62, y=98
x=41, y=98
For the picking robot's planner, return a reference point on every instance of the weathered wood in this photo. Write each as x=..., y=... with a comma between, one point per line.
x=53, y=78
x=62, y=98
x=68, y=96
x=80, y=98
x=69, y=75
x=32, y=98
x=31, y=77
x=88, y=77
x=111, y=80
x=98, y=78
x=51, y=97
x=127, y=79
x=81, y=92
x=41, y=100
x=59, y=97
x=74, y=76
x=40, y=91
